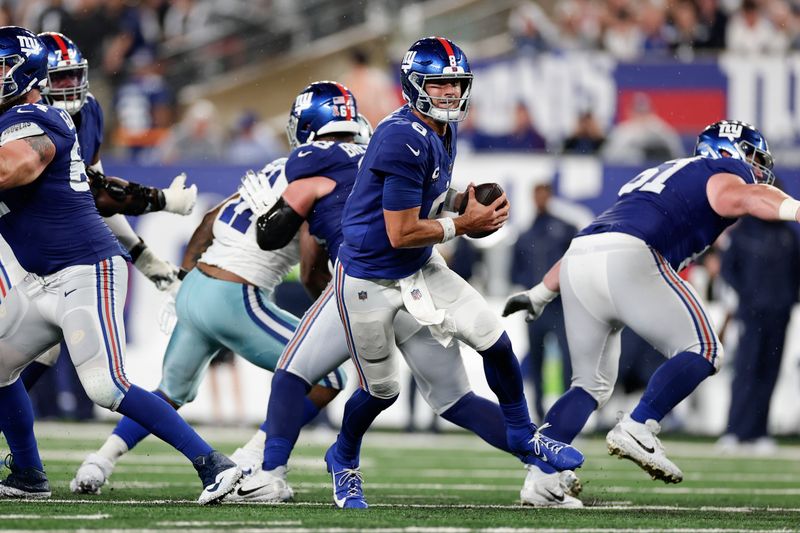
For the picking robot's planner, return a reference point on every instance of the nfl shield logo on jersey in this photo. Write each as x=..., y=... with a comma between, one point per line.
x=362, y=295
x=416, y=294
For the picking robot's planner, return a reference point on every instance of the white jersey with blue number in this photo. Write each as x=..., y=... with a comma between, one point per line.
x=235, y=248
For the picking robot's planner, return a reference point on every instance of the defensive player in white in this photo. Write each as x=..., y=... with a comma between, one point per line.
x=386, y=263
x=621, y=271
x=76, y=283
x=224, y=302
x=68, y=89
x=321, y=171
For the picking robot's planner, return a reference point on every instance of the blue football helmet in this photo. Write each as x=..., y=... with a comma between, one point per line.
x=739, y=140
x=436, y=59
x=322, y=108
x=23, y=62
x=67, y=71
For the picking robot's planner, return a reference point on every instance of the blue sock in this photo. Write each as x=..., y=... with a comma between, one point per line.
x=16, y=423
x=287, y=413
x=505, y=379
x=159, y=417
x=673, y=381
x=32, y=373
x=569, y=414
x=482, y=417
x=132, y=432
x=359, y=412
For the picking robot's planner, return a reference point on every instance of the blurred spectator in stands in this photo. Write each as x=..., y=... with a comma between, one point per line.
x=713, y=20
x=138, y=33
x=531, y=29
x=89, y=27
x=750, y=31
x=623, y=38
x=762, y=264
x=252, y=142
x=522, y=137
x=652, y=21
x=197, y=137
x=535, y=251
x=578, y=24
x=642, y=136
x=685, y=31
x=143, y=108
x=54, y=17
x=6, y=16
x=588, y=136
x=184, y=17
x=374, y=89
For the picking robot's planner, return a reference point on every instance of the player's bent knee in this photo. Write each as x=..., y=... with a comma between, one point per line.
x=385, y=390
x=484, y=330
x=600, y=392
x=100, y=388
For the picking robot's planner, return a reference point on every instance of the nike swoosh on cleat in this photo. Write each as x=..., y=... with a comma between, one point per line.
x=214, y=487
x=243, y=492
x=557, y=497
x=648, y=449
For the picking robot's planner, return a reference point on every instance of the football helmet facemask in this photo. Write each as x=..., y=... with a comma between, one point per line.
x=322, y=108
x=23, y=63
x=436, y=59
x=67, y=71
x=739, y=140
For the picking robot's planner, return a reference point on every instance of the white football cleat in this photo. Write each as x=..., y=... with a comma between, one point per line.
x=248, y=460
x=570, y=483
x=263, y=486
x=91, y=475
x=638, y=442
x=548, y=490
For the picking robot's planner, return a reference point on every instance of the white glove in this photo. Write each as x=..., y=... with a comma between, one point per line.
x=167, y=316
x=160, y=272
x=257, y=192
x=178, y=198
x=533, y=301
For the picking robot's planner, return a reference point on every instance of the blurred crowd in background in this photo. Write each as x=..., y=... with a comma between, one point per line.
x=135, y=49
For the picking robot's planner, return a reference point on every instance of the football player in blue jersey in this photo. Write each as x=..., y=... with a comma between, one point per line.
x=322, y=170
x=622, y=270
x=68, y=89
x=77, y=279
x=386, y=263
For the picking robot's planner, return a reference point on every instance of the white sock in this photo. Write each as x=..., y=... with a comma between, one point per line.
x=113, y=448
x=256, y=442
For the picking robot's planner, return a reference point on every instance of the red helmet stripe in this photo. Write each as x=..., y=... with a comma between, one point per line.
x=448, y=49
x=346, y=95
x=61, y=44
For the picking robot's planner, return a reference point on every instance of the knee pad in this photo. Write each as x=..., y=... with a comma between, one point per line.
x=100, y=388
x=477, y=326
x=82, y=336
x=385, y=390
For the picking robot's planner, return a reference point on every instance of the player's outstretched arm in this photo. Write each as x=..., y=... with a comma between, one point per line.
x=161, y=273
x=536, y=299
x=114, y=195
x=23, y=160
x=730, y=197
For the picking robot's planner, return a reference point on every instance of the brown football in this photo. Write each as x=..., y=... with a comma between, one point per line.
x=485, y=193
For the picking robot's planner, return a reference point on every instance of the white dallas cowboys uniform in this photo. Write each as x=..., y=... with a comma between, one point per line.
x=214, y=314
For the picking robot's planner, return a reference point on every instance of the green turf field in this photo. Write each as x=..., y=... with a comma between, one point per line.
x=416, y=483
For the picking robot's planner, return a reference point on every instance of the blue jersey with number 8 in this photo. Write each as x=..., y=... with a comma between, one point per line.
x=52, y=223
x=667, y=207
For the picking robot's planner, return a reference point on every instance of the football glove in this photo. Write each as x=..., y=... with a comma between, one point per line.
x=178, y=198
x=256, y=191
x=162, y=273
x=533, y=301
